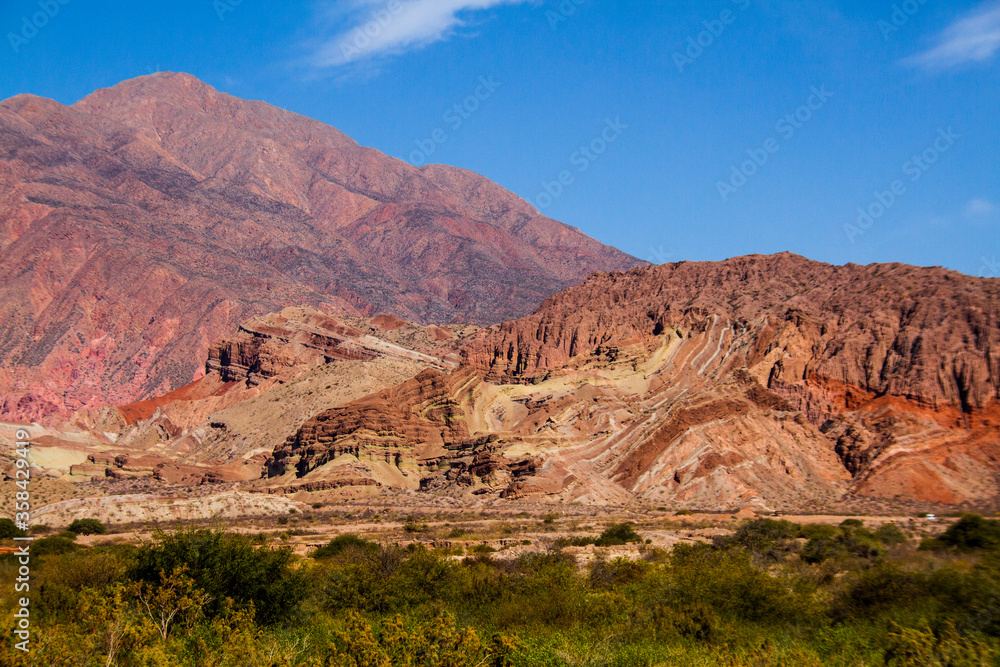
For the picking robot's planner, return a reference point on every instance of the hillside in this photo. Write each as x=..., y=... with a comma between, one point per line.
x=148, y=219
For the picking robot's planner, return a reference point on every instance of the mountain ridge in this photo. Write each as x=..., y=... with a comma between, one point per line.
x=148, y=219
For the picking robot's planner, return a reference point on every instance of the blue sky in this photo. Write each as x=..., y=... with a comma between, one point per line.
x=843, y=131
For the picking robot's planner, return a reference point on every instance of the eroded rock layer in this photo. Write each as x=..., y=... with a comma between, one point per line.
x=769, y=381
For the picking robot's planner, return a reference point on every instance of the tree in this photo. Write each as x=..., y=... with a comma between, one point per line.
x=87, y=527
x=110, y=612
x=617, y=535
x=227, y=565
x=9, y=529
x=176, y=595
x=973, y=532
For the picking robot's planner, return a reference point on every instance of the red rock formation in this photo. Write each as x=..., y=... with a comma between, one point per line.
x=896, y=365
x=418, y=418
x=145, y=221
x=931, y=335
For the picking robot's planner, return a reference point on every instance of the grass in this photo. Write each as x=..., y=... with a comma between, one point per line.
x=756, y=597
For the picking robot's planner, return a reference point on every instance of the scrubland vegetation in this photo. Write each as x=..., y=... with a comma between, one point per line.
x=771, y=593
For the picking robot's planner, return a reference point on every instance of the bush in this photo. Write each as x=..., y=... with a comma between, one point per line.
x=765, y=538
x=876, y=589
x=342, y=543
x=620, y=571
x=932, y=544
x=482, y=549
x=852, y=523
x=813, y=531
x=8, y=530
x=848, y=542
x=437, y=642
x=618, y=535
x=87, y=527
x=412, y=527
x=227, y=565
x=54, y=544
x=890, y=534
x=972, y=531
x=696, y=621
x=910, y=647
x=729, y=583
x=574, y=541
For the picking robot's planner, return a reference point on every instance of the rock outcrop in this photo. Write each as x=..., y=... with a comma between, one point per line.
x=775, y=382
x=897, y=367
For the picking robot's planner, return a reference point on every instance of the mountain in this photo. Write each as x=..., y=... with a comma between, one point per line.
x=772, y=381
x=149, y=219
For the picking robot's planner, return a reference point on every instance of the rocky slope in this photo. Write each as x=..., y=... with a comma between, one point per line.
x=930, y=336
x=258, y=387
x=145, y=221
x=771, y=381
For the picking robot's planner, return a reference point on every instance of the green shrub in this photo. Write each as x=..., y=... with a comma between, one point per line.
x=618, y=535
x=728, y=582
x=618, y=572
x=439, y=643
x=87, y=527
x=972, y=531
x=932, y=544
x=890, y=534
x=910, y=647
x=574, y=541
x=227, y=566
x=342, y=543
x=482, y=549
x=64, y=575
x=852, y=523
x=848, y=542
x=412, y=527
x=8, y=530
x=53, y=544
x=765, y=538
x=876, y=589
x=820, y=531
x=695, y=621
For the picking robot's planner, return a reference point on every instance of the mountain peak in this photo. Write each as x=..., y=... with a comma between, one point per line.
x=189, y=210
x=162, y=85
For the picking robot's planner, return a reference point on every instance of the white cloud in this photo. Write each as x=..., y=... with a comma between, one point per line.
x=975, y=37
x=380, y=27
x=979, y=207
